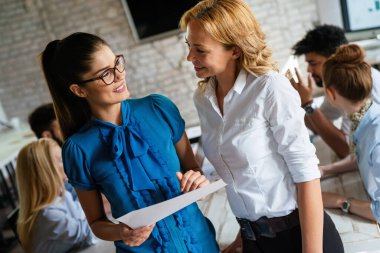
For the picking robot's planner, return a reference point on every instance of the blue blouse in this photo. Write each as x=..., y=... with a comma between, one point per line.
x=367, y=140
x=134, y=166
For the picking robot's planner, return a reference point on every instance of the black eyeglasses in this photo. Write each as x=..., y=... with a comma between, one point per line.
x=109, y=75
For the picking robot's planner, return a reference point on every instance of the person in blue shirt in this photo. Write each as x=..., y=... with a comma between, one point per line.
x=134, y=151
x=348, y=85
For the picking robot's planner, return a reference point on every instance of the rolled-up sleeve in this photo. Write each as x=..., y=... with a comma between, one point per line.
x=286, y=119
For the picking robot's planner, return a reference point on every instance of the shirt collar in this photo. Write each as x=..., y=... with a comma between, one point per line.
x=238, y=86
x=241, y=81
x=369, y=116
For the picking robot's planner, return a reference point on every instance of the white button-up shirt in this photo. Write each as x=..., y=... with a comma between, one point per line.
x=260, y=146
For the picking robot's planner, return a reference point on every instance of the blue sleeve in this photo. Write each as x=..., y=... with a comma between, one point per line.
x=375, y=160
x=171, y=115
x=76, y=167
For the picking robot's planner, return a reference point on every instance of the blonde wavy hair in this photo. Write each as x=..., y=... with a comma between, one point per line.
x=233, y=24
x=39, y=182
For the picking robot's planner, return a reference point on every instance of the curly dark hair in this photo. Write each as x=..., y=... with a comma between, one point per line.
x=323, y=39
x=41, y=118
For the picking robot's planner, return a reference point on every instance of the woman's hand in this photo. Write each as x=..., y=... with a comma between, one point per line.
x=322, y=169
x=191, y=180
x=134, y=237
x=332, y=200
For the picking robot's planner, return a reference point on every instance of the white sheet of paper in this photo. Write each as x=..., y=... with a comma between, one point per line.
x=149, y=215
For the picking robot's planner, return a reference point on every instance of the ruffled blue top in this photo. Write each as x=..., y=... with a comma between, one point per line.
x=134, y=166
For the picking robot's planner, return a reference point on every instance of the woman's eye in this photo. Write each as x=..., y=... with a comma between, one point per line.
x=106, y=74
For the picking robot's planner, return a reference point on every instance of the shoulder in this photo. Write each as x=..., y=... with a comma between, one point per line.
x=74, y=145
x=274, y=80
x=151, y=102
x=54, y=212
x=85, y=134
x=375, y=76
x=271, y=84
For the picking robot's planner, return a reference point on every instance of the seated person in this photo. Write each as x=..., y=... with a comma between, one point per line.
x=317, y=45
x=44, y=124
x=348, y=85
x=49, y=219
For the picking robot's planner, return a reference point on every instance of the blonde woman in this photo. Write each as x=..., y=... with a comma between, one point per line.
x=253, y=132
x=348, y=85
x=49, y=219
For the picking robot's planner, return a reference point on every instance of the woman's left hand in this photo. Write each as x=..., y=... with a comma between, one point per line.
x=191, y=180
x=332, y=200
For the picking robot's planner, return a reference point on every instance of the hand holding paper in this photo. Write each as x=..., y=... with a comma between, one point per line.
x=191, y=180
x=135, y=237
x=151, y=214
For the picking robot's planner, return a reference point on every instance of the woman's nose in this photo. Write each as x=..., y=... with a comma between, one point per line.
x=189, y=56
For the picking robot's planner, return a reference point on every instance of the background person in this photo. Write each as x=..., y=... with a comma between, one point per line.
x=132, y=150
x=44, y=124
x=49, y=219
x=253, y=132
x=317, y=46
x=348, y=84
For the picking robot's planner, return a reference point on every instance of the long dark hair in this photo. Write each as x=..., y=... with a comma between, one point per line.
x=63, y=63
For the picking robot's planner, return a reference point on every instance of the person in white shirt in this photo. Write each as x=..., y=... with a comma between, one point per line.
x=317, y=46
x=253, y=133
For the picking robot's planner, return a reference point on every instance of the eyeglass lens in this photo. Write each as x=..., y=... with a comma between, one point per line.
x=109, y=75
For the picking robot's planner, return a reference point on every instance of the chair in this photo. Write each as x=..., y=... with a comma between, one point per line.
x=6, y=191
x=12, y=221
x=12, y=175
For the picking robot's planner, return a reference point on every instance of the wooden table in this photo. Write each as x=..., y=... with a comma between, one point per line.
x=358, y=235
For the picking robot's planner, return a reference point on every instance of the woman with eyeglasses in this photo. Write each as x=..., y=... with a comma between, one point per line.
x=134, y=151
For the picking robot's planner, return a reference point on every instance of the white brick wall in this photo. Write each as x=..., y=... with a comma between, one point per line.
x=26, y=26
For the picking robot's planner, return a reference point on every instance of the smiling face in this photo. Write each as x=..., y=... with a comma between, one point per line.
x=209, y=57
x=315, y=64
x=99, y=95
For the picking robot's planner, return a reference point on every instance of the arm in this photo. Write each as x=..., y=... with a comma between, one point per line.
x=311, y=215
x=334, y=137
x=344, y=165
x=66, y=229
x=92, y=205
x=360, y=208
x=193, y=177
x=317, y=122
x=287, y=124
